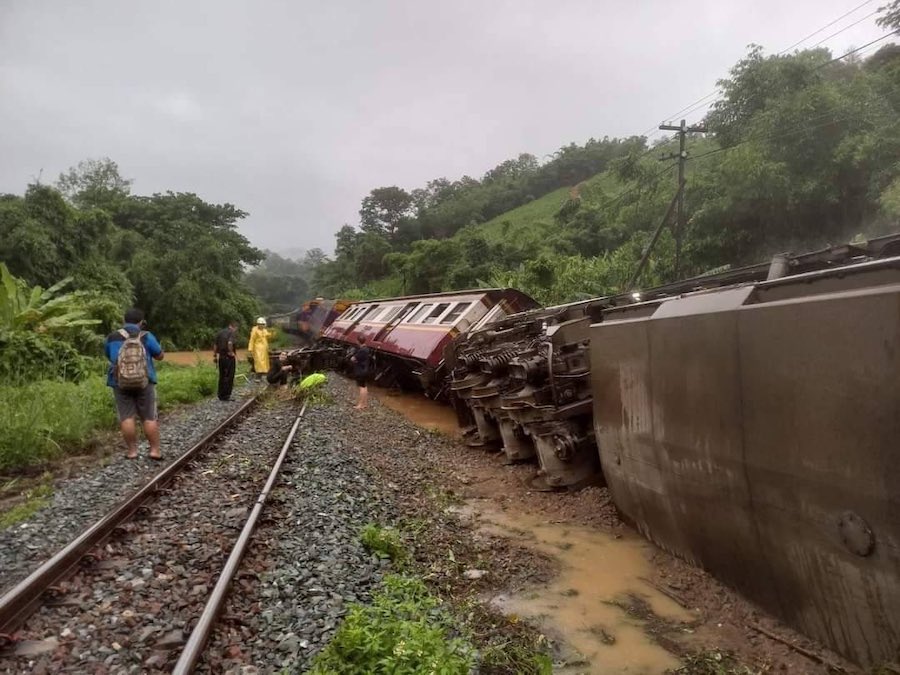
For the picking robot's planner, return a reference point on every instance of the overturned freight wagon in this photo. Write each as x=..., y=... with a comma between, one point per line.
x=753, y=430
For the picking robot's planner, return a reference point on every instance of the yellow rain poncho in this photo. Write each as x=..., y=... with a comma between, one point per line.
x=259, y=348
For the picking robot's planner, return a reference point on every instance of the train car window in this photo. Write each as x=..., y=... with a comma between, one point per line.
x=495, y=313
x=419, y=312
x=410, y=306
x=382, y=314
x=392, y=314
x=439, y=309
x=370, y=312
x=456, y=312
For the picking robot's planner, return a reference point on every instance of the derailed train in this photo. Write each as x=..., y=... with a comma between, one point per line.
x=746, y=421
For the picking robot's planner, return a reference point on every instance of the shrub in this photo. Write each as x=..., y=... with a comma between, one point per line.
x=25, y=357
x=40, y=420
x=384, y=542
x=405, y=630
x=185, y=384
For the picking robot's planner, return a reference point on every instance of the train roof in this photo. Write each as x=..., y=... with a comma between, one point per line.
x=443, y=294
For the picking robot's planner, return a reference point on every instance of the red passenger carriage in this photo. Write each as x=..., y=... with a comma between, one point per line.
x=409, y=334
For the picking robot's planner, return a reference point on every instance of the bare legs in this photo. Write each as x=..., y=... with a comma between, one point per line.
x=129, y=433
x=363, y=399
x=151, y=430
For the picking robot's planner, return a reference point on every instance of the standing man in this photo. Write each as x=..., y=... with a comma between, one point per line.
x=131, y=351
x=224, y=356
x=259, y=348
x=362, y=370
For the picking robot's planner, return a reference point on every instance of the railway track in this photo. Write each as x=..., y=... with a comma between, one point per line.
x=145, y=583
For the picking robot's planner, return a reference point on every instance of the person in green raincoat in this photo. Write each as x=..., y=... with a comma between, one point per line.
x=259, y=347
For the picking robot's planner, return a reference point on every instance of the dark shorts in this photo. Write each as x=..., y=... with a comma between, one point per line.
x=137, y=403
x=362, y=380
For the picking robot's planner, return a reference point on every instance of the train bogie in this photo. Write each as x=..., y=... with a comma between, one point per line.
x=526, y=381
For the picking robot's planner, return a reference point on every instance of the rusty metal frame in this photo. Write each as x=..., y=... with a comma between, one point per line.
x=193, y=650
x=20, y=601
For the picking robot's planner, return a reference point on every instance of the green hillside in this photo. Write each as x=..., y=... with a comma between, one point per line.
x=801, y=151
x=537, y=217
x=534, y=214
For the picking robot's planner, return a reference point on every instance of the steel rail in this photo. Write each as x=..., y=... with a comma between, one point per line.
x=23, y=598
x=197, y=641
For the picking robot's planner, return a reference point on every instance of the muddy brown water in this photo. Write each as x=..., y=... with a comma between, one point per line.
x=420, y=411
x=598, y=572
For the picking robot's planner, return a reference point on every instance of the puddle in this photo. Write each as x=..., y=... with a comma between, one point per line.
x=596, y=569
x=420, y=411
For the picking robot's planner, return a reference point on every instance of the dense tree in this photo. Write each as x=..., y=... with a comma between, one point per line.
x=383, y=209
x=890, y=15
x=178, y=257
x=94, y=183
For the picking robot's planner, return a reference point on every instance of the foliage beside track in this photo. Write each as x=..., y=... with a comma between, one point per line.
x=42, y=420
x=405, y=629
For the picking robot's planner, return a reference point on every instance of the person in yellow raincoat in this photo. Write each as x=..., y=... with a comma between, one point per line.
x=259, y=347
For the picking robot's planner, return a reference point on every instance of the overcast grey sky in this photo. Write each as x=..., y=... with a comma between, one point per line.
x=294, y=110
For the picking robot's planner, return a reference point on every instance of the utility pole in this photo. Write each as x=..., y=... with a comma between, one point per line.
x=682, y=130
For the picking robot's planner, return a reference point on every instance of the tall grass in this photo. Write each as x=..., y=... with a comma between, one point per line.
x=40, y=421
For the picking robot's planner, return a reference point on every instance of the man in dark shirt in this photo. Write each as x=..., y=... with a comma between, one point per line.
x=362, y=371
x=224, y=356
x=280, y=371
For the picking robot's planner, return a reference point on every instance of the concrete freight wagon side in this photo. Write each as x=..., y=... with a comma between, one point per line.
x=755, y=431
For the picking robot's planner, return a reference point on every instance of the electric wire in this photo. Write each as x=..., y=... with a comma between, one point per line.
x=847, y=27
x=700, y=102
x=797, y=128
x=827, y=25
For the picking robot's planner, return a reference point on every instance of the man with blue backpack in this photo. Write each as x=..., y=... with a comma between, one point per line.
x=132, y=375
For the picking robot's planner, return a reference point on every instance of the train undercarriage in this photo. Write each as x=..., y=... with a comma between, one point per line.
x=526, y=384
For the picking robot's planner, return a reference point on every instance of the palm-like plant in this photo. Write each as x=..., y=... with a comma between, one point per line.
x=40, y=310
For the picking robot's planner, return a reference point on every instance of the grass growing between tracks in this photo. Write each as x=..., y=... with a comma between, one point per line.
x=40, y=421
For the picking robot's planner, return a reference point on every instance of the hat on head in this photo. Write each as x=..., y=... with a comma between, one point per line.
x=261, y=321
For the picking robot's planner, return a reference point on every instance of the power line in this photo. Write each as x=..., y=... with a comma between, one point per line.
x=827, y=25
x=793, y=130
x=847, y=27
x=838, y=58
x=619, y=197
x=853, y=51
x=701, y=101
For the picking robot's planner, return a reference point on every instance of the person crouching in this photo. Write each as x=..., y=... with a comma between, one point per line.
x=280, y=371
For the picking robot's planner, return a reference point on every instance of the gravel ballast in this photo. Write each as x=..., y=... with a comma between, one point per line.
x=80, y=501
x=306, y=563
x=131, y=610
